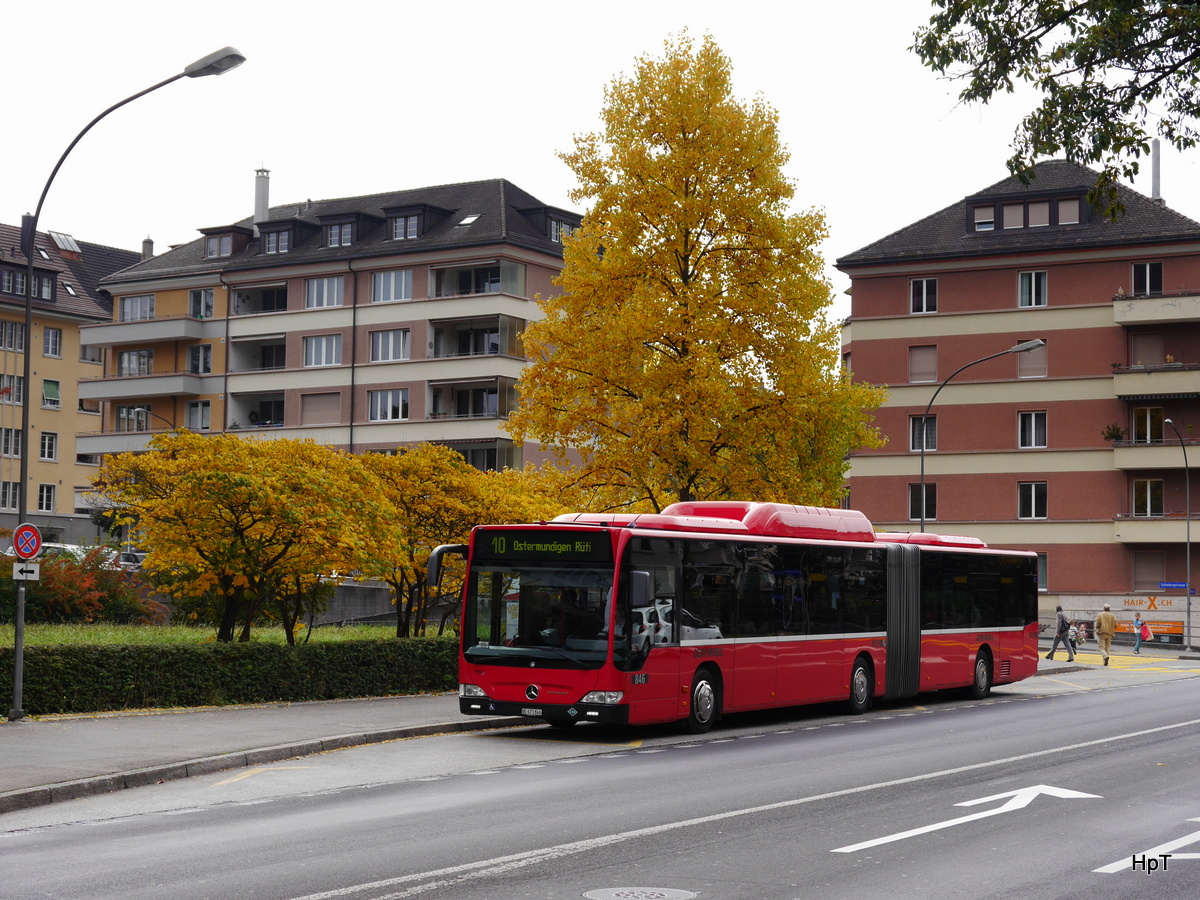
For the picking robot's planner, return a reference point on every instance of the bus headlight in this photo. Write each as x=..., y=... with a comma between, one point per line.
x=470, y=690
x=605, y=698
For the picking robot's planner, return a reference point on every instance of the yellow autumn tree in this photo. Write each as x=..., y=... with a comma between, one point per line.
x=243, y=525
x=689, y=355
x=434, y=497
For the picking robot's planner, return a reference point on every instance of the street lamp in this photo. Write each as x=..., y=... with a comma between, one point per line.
x=1023, y=347
x=214, y=64
x=1187, y=505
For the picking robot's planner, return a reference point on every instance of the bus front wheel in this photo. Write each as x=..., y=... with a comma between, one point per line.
x=861, y=686
x=705, y=703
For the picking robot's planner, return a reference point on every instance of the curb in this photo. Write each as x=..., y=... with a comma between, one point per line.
x=29, y=798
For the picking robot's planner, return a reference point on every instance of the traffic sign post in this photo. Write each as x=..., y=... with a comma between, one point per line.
x=27, y=544
x=27, y=541
x=27, y=571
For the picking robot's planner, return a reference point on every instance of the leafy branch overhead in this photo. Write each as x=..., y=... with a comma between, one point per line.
x=1112, y=74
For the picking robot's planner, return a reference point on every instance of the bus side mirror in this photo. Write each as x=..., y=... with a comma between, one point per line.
x=433, y=568
x=639, y=590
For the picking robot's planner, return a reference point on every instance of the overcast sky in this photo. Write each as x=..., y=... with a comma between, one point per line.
x=365, y=96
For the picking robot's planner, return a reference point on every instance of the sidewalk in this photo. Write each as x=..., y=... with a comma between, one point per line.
x=52, y=758
x=48, y=759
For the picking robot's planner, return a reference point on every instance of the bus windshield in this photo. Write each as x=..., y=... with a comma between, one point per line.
x=517, y=613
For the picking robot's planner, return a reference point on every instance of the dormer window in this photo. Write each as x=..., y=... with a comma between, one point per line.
x=338, y=235
x=560, y=229
x=405, y=228
x=985, y=218
x=218, y=245
x=276, y=241
x=1068, y=211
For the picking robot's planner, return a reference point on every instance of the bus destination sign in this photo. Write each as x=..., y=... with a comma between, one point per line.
x=543, y=545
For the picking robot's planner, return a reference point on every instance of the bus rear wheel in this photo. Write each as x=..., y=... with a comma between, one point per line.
x=981, y=682
x=705, y=705
x=861, y=684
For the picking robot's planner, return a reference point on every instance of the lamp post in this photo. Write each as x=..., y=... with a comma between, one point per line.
x=1023, y=347
x=214, y=64
x=1187, y=506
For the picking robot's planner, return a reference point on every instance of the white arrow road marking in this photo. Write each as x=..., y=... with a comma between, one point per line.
x=1126, y=864
x=1020, y=799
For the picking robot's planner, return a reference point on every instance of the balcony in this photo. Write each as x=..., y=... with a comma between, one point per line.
x=134, y=387
x=1167, y=529
x=147, y=331
x=1144, y=309
x=1165, y=454
x=1165, y=381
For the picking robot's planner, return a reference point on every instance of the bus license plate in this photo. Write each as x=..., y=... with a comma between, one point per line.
x=530, y=711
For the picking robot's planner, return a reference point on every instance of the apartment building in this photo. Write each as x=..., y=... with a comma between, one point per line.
x=1075, y=450
x=364, y=323
x=66, y=296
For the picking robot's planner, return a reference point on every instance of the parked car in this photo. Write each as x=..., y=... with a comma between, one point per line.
x=78, y=552
x=131, y=560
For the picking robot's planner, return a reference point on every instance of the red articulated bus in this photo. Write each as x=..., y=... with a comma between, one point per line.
x=719, y=607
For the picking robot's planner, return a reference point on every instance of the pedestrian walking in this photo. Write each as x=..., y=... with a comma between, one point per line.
x=1106, y=627
x=1138, y=624
x=1062, y=628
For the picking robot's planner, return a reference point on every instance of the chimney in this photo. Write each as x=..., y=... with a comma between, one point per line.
x=1155, y=173
x=262, y=206
x=147, y=249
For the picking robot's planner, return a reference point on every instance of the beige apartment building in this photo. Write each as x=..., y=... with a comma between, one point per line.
x=66, y=296
x=364, y=323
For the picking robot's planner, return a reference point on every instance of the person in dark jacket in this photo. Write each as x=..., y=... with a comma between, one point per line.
x=1062, y=628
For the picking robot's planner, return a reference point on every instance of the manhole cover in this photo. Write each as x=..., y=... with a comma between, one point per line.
x=639, y=894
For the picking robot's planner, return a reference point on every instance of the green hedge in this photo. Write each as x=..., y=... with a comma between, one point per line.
x=75, y=679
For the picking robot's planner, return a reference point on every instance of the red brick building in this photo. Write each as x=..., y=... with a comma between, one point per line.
x=1066, y=450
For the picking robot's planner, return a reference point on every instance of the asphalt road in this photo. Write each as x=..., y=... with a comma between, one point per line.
x=1054, y=788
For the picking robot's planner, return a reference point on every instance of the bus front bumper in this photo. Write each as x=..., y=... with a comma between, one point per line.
x=576, y=712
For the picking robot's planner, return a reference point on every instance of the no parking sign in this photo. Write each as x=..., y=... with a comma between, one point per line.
x=27, y=541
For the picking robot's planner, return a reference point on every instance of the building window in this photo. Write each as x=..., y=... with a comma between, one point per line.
x=922, y=428
x=1147, y=279
x=47, y=284
x=560, y=230
x=218, y=245
x=51, y=399
x=389, y=345
x=1043, y=564
x=1031, y=289
x=922, y=363
x=1031, y=428
x=200, y=303
x=70, y=289
x=91, y=354
x=923, y=292
x=1068, y=211
x=89, y=406
x=323, y=350
x=338, y=235
x=914, y=502
x=198, y=412
x=404, y=228
x=985, y=218
x=52, y=342
x=200, y=359
x=387, y=286
x=49, y=452
x=1014, y=215
x=46, y=498
x=1033, y=363
x=1147, y=497
x=135, y=362
x=137, y=309
x=1147, y=425
x=1031, y=500
x=388, y=406
x=8, y=494
x=1147, y=349
x=1149, y=568
x=1038, y=212
x=320, y=409
x=320, y=292
x=6, y=281
x=12, y=336
x=277, y=241
x=12, y=388
x=133, y=418
x=10, y=442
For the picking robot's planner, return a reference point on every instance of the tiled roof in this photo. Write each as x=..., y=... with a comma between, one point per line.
x=944, y=234
x=498, y=203
x=83, y=274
